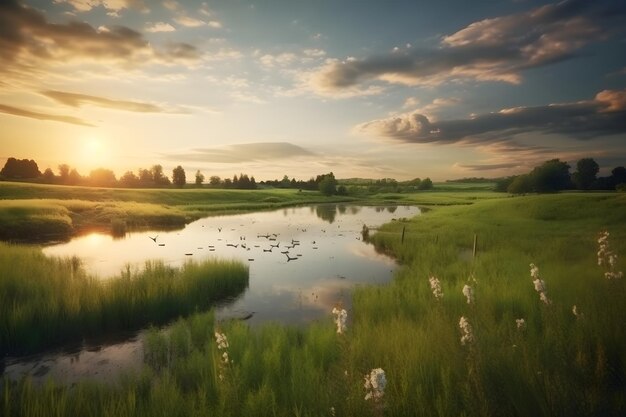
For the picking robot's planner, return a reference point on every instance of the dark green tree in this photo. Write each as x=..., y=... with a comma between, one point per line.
x=551, y=176
x=425, y=184
x=64, y=173
x=521, y=184
x=215, y=180
x=328, y=184
x=178, y=177
x=585, y=175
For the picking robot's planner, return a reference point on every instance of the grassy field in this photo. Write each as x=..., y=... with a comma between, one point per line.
x=46, y=301
x=46, y=212
x=49, y=212
x=556, y=364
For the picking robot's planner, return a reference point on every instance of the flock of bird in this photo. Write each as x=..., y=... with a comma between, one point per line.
x=269, y=237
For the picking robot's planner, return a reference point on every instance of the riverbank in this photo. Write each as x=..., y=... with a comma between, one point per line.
x=47, y=301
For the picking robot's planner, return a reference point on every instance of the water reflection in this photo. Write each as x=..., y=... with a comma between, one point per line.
x=300, y=267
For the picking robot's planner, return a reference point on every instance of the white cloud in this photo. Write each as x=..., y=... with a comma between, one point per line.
x=160, y=27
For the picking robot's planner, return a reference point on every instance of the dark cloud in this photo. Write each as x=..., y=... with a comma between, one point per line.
x=16, y=111
x=496, y=49
x=604, y=115
x=77, y=100
x=244, y=152
x=28, y=40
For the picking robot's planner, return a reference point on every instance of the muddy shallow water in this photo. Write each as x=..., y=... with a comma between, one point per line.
x=302, y=260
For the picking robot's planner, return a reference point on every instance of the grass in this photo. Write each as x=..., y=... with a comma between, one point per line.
x=559, y=365
x=46, y=212
x=46, y=301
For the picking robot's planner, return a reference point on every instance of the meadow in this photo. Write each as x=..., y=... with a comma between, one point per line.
x=514, y=353
x=47, y=212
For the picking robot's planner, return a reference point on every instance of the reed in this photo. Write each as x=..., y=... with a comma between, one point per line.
x=46, y=300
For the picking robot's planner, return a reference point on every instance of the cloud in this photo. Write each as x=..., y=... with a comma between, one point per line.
x=110, y=5
x=78, y=100
x=244, y=152
x=160, y=27
x=487, y=167
x=604, y=115
x=497, y=49
x=190, y=22
x=29, y=44
x=16, y=111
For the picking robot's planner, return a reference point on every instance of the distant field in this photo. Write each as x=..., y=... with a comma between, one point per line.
x=55, y=211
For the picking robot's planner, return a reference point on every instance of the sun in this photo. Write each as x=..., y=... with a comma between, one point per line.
x=94, y=152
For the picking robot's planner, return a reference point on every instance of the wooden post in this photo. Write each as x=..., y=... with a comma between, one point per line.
x=403, y=228
x=474, y=250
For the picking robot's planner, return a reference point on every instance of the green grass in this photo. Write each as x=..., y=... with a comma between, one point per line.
x=560, y=365
x=47, y=301
x=45, y=212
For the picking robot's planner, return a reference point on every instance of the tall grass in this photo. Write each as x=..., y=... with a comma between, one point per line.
x=45, y=300
x=558, y=365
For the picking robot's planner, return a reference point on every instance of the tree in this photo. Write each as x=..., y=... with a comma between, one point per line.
x=551, y=176
x=178, y=177
x=328, y=184
x=129, y=179
x=215, y=180
x=199, y=178
x=102, y=177
x=20, y=168
x=585, y=175
x=425, y=184
x=64, y=171
x=502, y=184
x=158, y=177
x=48, y=176
x=74, y=177
x=618, y=176
x=521, y=184
x=145, y=177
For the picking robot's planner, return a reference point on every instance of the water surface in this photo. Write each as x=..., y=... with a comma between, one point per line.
x=303, y=261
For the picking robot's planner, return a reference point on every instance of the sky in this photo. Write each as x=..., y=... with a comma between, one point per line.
x=373, y=89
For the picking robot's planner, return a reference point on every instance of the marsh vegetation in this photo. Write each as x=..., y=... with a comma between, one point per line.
x=497, y=348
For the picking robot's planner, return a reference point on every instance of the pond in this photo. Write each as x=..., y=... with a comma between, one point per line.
x=303, y=261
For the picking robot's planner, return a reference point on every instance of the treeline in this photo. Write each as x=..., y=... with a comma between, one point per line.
x=554, y=175
x=387, y=185
x=153, y=177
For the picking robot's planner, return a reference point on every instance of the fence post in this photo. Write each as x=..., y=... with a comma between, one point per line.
x=474, y=250
x=403, y=228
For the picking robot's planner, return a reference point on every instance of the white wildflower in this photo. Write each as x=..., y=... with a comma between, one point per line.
x=534, y=271
x=575, y=310
x=341, y=316
x=222, y=341
x=607, y=258
x=468, y=292
x=375, y=384
x=466, y=328
x=332, y=411
x=540, y=285
x=521, y=324
x=435, y=286
x=222, y=344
